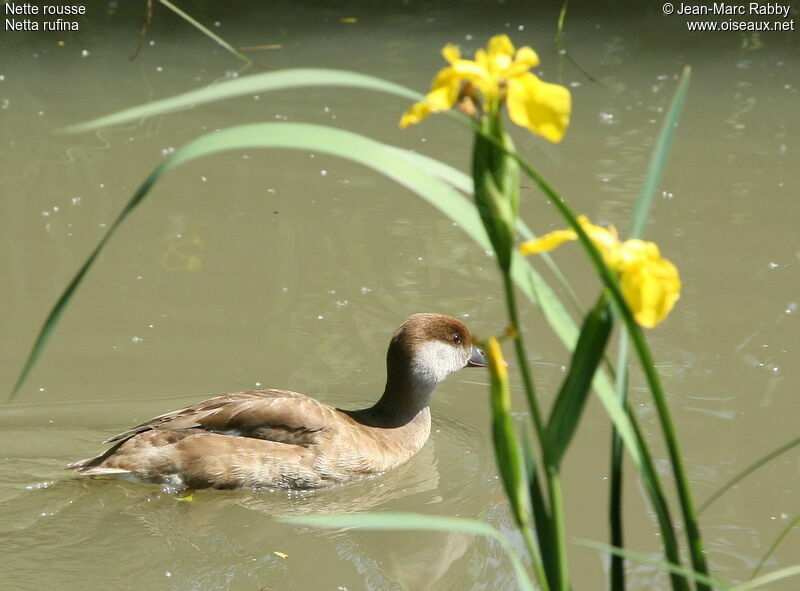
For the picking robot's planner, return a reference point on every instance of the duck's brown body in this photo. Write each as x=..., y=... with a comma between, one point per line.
x=277, y=438
x=260, y=438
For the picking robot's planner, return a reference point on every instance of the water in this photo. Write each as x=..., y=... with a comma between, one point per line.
x=291, y=270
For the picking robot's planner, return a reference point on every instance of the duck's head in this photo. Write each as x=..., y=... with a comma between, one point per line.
x=426, y=349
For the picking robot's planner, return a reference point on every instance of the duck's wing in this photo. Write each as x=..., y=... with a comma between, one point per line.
x=274, y=415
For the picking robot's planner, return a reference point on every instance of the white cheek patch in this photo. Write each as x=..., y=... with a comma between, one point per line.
x=435, y=360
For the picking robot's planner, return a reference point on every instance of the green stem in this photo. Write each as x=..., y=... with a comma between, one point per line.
x=522, y=359
x=673, y=448
x=617, y=571
x=536, y=558
x=657, y=497
x=559, y=528
x=560, y=578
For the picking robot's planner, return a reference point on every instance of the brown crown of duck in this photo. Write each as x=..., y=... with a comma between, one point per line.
x=278, y=438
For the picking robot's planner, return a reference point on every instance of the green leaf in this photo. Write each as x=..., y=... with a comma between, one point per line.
x=641, y=210
x=247, y=85
x=747, y=471
x=574, y=392
x=412, y=522
x=658, y=160
x=776, y=542
x=715, y=582
x=784, y=573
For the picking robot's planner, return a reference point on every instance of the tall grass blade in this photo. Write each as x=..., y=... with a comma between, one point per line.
x=658, y=160
x=784, y=573
x=247, y=85
x=773, y=546
x=414, y=522
x=569, y=404
x=641, y=210
x=206, y=31
x=747, y=471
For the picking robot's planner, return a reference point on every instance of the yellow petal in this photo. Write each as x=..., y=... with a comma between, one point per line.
x=416, y=113
x=445, y=92
x=451, y=52
x=526, y=57
x=651, y=286
x=541, y=107
x=636, y=250
x=500, y=45
x=547, y=242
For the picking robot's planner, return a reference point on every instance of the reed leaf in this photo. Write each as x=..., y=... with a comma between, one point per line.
x=247, y=85
x=784, y=573
x=415, y=522
x=774, y=545
x=715, y=582
x=658, y=161
x=568, y=406
x=747, y=471
x=641, y=210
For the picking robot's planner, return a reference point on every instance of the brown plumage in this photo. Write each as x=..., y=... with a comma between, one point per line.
x=277, y=438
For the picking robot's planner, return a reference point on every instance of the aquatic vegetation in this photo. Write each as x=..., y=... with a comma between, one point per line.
x=639, y=289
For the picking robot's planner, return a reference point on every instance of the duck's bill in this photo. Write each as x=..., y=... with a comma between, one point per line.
x=478, y=358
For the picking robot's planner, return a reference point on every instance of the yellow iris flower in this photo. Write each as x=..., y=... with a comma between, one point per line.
x=499, y=73
x=649, y=283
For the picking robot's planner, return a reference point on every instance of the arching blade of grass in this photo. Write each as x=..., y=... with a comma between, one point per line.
x=658, y=161
x=641, y=210
x=784, y=573
x=414, y=522
x=714, y=582
x=247, y=85
x=747, y=471
x=781, y=536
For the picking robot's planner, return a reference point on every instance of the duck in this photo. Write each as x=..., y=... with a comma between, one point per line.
x=280, y=439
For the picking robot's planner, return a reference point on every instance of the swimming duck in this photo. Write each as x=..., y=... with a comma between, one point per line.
x=277, y=438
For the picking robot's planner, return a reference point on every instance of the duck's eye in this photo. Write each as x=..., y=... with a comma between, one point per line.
x=457, y=339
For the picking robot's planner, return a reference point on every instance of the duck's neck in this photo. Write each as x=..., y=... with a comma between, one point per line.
x=405, y=399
